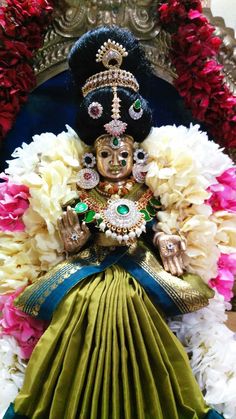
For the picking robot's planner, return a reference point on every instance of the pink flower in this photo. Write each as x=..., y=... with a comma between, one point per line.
x=14, y=201
x=224, y=281
x=14, y=322
x=224, y=193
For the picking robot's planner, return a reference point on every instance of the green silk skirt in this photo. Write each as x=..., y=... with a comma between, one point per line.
x=108, y=354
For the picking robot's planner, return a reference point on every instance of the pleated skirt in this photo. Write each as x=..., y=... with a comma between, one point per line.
x=108, y=354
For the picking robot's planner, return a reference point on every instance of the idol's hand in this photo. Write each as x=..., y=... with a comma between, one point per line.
x=171, y=248
x=73, y=234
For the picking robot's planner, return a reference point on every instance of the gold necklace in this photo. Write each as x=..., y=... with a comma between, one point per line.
x=109, y=189
x=121, y=219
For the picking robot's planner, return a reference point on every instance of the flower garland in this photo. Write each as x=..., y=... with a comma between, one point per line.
x=22, y=26
x=198, y=199
x=200, y=80
x=211, y=347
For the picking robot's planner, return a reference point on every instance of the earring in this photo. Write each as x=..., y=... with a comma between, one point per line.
x=135, y=110
x=88, y=178
x=139, y=168
x=140, y=156
x=139, y=172
x=89, y=160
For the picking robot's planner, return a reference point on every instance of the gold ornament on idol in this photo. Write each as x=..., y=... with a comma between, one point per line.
x=111, y=54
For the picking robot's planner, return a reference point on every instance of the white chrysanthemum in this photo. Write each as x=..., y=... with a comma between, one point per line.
x=183, y=163
x=202, y=253
x=46, y=147
x=212, y=347
x=17, y=266
x=226, y=230
x=168, y=221
x=49, y=167
x=194, y=225
x=179, y=171
x=12, y=371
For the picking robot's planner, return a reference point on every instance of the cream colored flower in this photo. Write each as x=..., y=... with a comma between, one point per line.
x=66, y=147
x=226, y=230
x=178, y=170
x=212, y=347
x=12, y=371
x=168, y=221
x=202, y=253
x=49, y=166
x=17, y=266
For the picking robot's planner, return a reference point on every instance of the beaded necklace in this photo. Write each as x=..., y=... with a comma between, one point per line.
x=121, y=219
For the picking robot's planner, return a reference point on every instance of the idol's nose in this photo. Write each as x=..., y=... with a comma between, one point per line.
x=115, y=160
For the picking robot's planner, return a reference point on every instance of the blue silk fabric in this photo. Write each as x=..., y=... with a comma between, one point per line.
x=52, y=105
x=10, y=414
x=171, y=294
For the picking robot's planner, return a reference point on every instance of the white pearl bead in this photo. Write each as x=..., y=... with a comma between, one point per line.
x=126, y=237
x=102, y=226
x=108, y=233
x=132, y=234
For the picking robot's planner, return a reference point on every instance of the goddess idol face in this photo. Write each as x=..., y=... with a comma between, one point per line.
x=114, y=157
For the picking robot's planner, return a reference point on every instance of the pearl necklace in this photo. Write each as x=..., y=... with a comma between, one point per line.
x=121, y=219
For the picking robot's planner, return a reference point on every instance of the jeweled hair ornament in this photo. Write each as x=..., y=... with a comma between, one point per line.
x=111, y=54
x=95, y=110
x=135, y=110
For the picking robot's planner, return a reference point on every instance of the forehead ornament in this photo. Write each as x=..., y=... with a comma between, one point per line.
x=114, y=142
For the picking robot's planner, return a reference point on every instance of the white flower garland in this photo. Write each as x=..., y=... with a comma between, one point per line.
x=12, y=371
x=212, y=349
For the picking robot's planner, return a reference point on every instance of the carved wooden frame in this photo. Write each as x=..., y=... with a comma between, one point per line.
x=73, y=18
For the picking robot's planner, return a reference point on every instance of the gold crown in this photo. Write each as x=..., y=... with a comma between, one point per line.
x=111, y=54
x=111, y=78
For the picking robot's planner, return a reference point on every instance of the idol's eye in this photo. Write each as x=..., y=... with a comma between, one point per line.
x=95, y=110
x=124, y=154
x=104, y=154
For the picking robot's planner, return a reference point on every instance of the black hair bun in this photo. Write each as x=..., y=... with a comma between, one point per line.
x=82, y=57
x=82, y=62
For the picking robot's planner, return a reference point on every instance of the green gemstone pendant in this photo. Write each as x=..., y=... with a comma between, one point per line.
x=151, y=210
x=123, y=209
x=89, y=217
x=146, y=215
x=115, y=141
x=81, y=207
x=155, y=202
x=137, y=104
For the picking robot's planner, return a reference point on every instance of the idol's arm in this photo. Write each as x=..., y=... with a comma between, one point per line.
x=73, y=234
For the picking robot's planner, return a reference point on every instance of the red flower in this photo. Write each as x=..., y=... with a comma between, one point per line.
x=22, y=26
x=200, y=81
